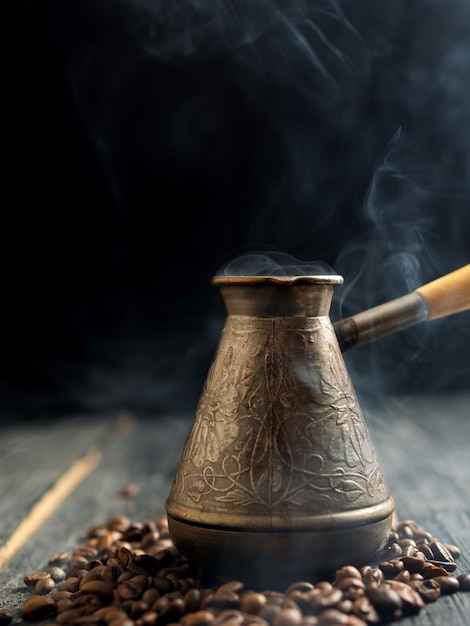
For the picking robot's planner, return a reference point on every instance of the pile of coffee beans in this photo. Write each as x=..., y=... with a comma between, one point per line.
x=130, y=574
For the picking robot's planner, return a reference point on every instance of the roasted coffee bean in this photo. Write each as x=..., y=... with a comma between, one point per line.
x=413, y=563
x=141, y=580
x=348, y=571
x=64, y=605
x=391, y=568
x=365, y=610
x=371, y=574
x=225, y=598
x=58, y=559
x=327, y=598
x=409, y=551
x=30, y=580
x=448, y=584
x=99, y=588
x=56, y=573
x=332, y=617
x=197, y=618
x=426, y=551
x=423, y=536
x=385, y=599
x=455, y=552
x=38, y=607
x=288, y=616
x=431, y=570
x=352, y=587
x=61, y=595
x=393, y=551
x=44, y=586
x=345, y=606
x=404, y=576
x=405, y=530
x=70, y=584
x=448, y=566
x=440, y=552
x=252, y=602
x=464, y=582
x=301, y=585
x=429, y=589
x=149, y=618
x=411, y=600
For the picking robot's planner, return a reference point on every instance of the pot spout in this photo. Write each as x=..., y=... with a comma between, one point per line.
x=444, y=296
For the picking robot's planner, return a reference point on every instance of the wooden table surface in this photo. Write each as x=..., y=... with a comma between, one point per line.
x=60, y=476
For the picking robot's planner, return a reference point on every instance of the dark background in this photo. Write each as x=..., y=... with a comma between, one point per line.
x=153, y=141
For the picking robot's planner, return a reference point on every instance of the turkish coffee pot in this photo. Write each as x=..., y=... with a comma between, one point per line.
x=278, y=479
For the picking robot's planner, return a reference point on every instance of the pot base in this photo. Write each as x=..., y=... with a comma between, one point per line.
x=266, y=559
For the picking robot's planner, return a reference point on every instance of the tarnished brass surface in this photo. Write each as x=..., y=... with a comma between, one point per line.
x=278, y=466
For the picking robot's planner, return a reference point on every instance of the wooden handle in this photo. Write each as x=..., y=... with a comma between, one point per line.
x=448, y=294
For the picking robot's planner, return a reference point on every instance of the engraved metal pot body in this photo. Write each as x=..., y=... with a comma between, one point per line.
x=278, y=479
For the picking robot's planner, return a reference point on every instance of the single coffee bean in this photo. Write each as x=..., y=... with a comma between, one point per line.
x=198, y=618
x=464, y=581
x=409, y=551
x=44, y=586
x=70, y=584
x=98, y=588
x=405, y=531
x=64, y=605
x=431, y=570
x=440, y=552
x=448, y=566
x=58, y=559
x=56, y=573
x=288, y=617
x=423, y=536
x=365, y=610
x=371, y=574
x=385, y=599
x=412, y=601
x=352, y=587
x=392, y=568
x=428, y=589
x=61, y=595
x=348, y=571
x=31, y=579
x=345, y=606
x=455, y=551
x=38, y=607
x=393, y=551
x=326, y=599
x=225, y=598
x=332, y=617
x=426, y=551
x=448, y=584
x=404, y=576
x=413, y=563
x=149, y=618
x=252, y=602
x=301, y=585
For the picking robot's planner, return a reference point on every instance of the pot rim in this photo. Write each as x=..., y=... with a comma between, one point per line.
x=283, y=281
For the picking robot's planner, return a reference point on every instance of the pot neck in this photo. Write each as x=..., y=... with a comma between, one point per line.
x=270, y=296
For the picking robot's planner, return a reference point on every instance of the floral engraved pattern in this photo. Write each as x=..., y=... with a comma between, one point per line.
x=278, y=427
